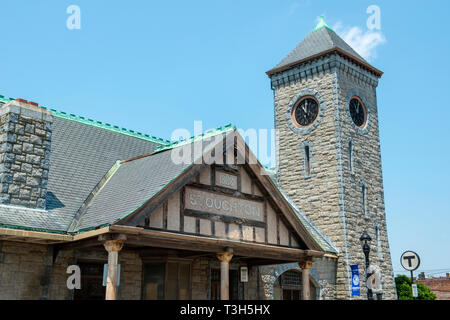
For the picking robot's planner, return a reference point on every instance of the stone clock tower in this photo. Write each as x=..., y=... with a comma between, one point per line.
x=329, y=159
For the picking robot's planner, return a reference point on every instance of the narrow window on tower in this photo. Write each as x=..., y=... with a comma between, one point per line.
x=307, y=162
x=364, y=205
x=378, y=242
x=306, y=149
x=350, y=155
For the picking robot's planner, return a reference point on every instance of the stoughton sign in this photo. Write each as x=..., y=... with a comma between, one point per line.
x=209, y=202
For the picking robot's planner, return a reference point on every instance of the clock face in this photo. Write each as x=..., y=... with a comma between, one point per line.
x=358, y=112
x=305, y=112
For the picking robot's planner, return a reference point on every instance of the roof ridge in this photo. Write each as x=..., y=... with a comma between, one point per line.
x=77, y=218
x=209, y=133
x=322, y=24
x=98, y=124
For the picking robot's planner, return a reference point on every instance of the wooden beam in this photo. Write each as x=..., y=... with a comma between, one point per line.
x=92, y=242
x=223, y=218
x=10, y=233
x=226, y=192
x=163, y=239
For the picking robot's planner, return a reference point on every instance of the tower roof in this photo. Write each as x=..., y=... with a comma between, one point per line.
x=321, y=40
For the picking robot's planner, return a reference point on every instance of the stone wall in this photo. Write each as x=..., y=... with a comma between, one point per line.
x=28, y=272
x=367, y=171
x=322, y=275
x=331, y=195
x=25, y=142
x=21, y=270
x=317, y=195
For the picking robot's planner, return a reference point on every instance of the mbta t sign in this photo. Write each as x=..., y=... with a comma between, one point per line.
x=410, y=260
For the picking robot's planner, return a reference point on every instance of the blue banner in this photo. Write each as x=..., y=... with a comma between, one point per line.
x=355, y=280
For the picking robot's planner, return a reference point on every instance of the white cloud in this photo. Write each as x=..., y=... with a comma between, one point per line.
x=363, y=42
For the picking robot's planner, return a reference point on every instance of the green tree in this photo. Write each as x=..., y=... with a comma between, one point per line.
x=404, y=289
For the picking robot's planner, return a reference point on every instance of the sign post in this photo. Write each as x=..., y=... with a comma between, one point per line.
x=410, y=261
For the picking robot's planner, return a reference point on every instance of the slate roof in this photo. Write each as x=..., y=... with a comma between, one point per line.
x=135, y=182
x=82, y=152
x=319, y=40
x=84, y=158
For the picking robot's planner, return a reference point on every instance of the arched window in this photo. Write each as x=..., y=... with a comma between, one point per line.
x=289, y=286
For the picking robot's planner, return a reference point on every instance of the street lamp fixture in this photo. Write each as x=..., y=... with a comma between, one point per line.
x=365, y=240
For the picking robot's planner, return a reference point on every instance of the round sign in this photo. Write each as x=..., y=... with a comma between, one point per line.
x=410, y=260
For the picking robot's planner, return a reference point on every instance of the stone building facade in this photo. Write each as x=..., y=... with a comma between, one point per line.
x=343, y=194
x=77, y=192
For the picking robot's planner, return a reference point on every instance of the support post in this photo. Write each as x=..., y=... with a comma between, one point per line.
x=113, y=247
x=225, y=258
x=305, y=265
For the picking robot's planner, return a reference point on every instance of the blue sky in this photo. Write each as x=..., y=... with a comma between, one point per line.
x=156, y=66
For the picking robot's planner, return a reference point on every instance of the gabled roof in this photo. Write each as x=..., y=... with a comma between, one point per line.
x=135, y=182
x=321, y=40
x=89, y=188
x=82, y=152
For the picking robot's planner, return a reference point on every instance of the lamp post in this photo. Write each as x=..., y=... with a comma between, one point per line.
x=365, y=238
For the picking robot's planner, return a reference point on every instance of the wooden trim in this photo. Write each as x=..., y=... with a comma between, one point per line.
x=92, y=233
x=165, y=212
x=226, y=192
x=266, y=228
x=12, y=234
x=227, y=230
x=197, y=225
x=223, y=218
x=143, y=237
x=278, y=227
x=227, y=169
x=213, y=174
x=181, y=228
x=34, y=234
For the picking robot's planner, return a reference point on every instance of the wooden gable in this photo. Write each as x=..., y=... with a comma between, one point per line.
x=229, y=202
x=226, y=203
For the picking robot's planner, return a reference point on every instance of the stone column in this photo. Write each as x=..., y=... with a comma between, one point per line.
x=305, y=265
x=113, y=247
x=224, y=258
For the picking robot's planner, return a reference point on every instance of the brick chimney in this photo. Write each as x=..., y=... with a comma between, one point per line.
x=25, y=140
